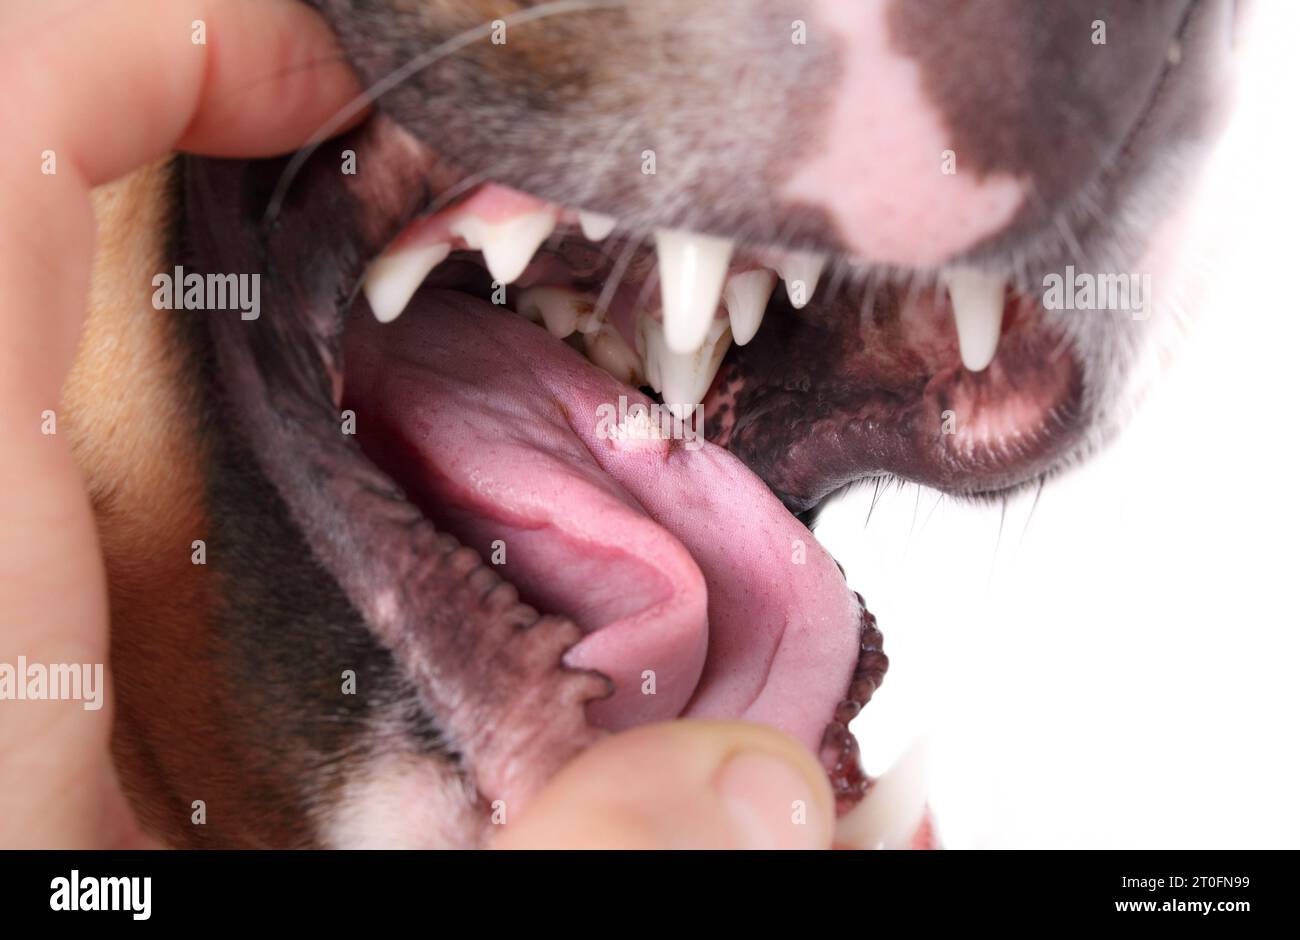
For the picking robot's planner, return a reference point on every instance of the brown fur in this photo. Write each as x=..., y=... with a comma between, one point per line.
x=133, y=425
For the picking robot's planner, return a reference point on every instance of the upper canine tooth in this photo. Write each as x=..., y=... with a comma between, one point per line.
x=562, y=310
x=801, y=270
x=977, y=300
x=745, y=297
x=508, y=245
x=682, y=378
x=691, y=271
x=396, y=275
x=596, y=226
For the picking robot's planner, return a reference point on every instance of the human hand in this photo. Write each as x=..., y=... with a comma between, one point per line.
x=89, y=92
x=686, y=784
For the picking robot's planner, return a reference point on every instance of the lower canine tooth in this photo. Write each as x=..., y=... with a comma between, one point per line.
x=649, y=346
x=596, y=227
x=893, y=809
x=560, y=309
x=801, y=270
x=745, y=297
x=691, y=271
x=509, y=245
x=682, y=378
x=977, y=300
x=396, y=275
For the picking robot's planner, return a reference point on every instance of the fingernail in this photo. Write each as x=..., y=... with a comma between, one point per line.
x=771, y=804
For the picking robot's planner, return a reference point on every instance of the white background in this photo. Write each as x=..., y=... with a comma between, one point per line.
x=1123, y=670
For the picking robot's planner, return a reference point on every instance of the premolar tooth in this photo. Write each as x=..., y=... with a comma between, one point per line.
x=893, y=809
x=561, y=310
x=745, y=297
x=682, y=378
x=977, y=301
x=608, y=350
x=509, y=245
x=396, y=275
x=801, y=270
x=596, y=227
x=691, y=271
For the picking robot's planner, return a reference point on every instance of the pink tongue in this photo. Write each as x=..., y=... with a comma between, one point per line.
x=664, y=551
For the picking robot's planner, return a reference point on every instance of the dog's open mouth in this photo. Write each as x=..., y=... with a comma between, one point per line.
x=557, y=426
x=697, y=591
x=509, y=423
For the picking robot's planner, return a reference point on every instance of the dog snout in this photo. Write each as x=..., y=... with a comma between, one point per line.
x=953, y=122
x=900, y=132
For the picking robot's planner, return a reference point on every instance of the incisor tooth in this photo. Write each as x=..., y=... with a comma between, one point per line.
x=395, y=276
x=745, y=297
x=560, y=309
x=893, y=809
x=507, y=246
x=691, y=271
x=801, y=270
x=682, y=378
x=977, y=300
x=595, y=226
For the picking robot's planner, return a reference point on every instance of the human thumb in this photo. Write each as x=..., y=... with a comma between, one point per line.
x=681, y=785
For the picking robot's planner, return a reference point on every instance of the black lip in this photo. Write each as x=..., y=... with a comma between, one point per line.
x=830, y=395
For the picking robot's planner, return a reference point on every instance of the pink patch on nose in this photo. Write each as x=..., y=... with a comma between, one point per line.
x=880, y=173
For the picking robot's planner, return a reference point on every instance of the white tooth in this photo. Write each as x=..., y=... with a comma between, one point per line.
x=801, y=270
x=528, y=309
x=590, y=320
x=745, y=297
x=977, y=300
x=562, y=310
x=682, y=378
x=649, y=345
x=395, y=276
x=608, y=350
x=893, y=809
x=691, y=271
x=595, y=226
x=507, y=246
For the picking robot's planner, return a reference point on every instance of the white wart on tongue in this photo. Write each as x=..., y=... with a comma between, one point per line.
x=688, y=576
